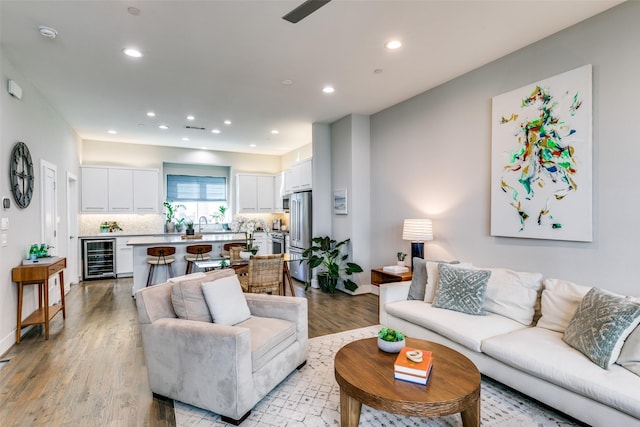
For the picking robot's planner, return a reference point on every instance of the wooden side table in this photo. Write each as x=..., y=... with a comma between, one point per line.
x=379, y=276
x=39, y=274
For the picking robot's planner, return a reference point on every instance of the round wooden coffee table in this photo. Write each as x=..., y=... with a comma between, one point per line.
x=365, y=375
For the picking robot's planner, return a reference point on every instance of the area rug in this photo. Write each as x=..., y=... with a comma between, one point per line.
x=310, y=397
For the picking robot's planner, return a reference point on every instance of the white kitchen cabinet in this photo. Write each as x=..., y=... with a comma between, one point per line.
x=124, y=257
x=145, y=191
x=254, y=193
x=95, y=190
x=247, y=193
x=260, y=240
x=278, y=192
x=265, y=193
x=120, y=190
x=302, y=176
x=288, y=182
x=299, y=177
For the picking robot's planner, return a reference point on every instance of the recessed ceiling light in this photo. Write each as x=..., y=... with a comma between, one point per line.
x=163, y=127
x=377, y=71
x=185, y=139
x=252, y=145
x=227, y=122
x=190, y=118
x=328, y=89
x=112, y=132
x=275, y=131
x=151, y=114
x=393, y=44
x=133, y=11
x=287, y=82
x=215, y=130
x=48, y=32
x=134, y=53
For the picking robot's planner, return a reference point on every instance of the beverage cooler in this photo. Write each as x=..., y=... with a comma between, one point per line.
x=99, y=258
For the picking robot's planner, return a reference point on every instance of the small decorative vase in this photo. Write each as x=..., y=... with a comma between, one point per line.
x=390, y=346
x=171, y=227
x=401, y=263
x=245, y=255
x=190, y=231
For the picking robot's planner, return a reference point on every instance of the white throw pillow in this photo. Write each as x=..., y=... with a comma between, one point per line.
x=560, y=300
x=433, y=278
x=513, y=294
x=196, y=275
x=630, y=353
x=226, y=301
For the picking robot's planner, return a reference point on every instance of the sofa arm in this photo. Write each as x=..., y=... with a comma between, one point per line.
x=199, y=362
x=391, y=292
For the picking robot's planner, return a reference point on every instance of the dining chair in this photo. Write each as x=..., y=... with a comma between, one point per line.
x=264, y=275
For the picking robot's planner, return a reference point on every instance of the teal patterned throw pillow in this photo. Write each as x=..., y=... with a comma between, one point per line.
x=601, y=324
x=461, y=289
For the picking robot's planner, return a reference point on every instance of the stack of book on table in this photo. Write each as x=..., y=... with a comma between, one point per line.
x=408, y=370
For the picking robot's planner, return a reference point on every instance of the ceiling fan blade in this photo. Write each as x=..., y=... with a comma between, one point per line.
x=304, y=10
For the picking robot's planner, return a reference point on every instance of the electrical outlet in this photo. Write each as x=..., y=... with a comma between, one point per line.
x=4, y=224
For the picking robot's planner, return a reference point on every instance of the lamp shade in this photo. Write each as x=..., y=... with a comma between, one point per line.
x=417, y=230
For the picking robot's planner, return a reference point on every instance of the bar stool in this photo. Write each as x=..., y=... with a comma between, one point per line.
x=197, y=253
x=160, y=255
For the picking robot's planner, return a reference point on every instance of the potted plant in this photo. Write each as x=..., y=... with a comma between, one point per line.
x=327, y=253
x=219, y=216
x=189, y=231
x=179, y=224
x=390, y=340
x=401, y=256
x=170, y=213
x=248, y=226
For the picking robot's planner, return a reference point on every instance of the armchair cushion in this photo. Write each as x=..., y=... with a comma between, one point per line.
x=269, y=336
x=226, y=301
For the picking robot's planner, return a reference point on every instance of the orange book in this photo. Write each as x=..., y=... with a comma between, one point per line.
x=406, y=366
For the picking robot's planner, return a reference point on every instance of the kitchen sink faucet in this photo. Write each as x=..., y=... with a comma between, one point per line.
x=202, y=218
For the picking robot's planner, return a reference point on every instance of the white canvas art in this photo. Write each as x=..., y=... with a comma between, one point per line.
x=541, y=166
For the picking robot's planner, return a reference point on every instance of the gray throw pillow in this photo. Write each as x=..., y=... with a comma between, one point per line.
x=418, y=280
x=600, y=325
x=461, y=289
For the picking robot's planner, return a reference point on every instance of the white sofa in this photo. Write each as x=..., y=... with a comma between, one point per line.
x=530, y=357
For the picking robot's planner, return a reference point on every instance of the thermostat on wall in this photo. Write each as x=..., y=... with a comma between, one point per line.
x=14, y=89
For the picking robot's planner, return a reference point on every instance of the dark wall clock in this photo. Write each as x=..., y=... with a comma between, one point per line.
x=21, y=175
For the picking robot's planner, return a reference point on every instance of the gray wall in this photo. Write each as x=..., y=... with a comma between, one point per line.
x=35, y=122
x=430, y=157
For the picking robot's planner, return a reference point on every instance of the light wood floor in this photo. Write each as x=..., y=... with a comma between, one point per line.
x=91, y=371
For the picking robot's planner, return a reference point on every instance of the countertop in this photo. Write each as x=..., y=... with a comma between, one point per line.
x=175, y=239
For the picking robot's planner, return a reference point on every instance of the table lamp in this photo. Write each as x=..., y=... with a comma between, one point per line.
x=418, y=231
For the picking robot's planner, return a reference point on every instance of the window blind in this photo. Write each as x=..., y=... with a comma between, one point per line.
x=188, y=188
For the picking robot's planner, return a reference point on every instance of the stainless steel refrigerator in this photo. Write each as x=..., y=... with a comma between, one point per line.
x=299, y=233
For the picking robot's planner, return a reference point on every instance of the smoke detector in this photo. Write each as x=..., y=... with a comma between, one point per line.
x=48, y=32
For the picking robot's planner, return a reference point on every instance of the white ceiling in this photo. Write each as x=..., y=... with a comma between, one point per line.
x=227, y=59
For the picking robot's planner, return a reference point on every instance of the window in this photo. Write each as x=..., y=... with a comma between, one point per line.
x=201, y=196
x=187, y=188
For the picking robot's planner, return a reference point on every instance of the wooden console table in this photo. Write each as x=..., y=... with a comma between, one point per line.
x=39, y=274
x=379, y=276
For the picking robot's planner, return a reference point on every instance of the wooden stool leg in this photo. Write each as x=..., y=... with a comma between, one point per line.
x=189, y=267
x=150, y=276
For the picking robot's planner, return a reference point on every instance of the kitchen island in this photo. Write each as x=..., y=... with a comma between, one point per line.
x=141, y=244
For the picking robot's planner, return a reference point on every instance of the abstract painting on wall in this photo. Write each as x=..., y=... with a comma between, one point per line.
x=541, y=173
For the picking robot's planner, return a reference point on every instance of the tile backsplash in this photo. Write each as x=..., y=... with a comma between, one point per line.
x=130, y=224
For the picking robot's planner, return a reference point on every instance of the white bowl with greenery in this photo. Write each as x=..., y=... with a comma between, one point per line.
x=390, y=340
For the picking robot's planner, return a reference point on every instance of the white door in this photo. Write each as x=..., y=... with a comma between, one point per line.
x=73, y=258
x=49, y=219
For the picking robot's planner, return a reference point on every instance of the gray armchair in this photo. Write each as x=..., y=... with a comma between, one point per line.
x=220, y=368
